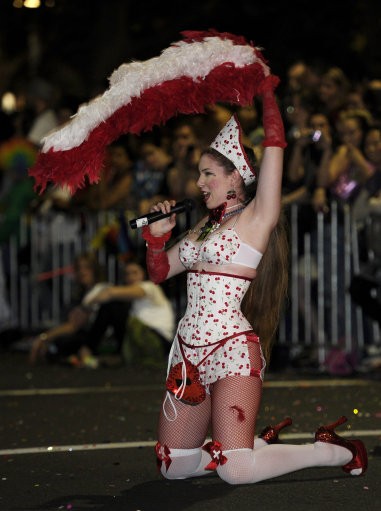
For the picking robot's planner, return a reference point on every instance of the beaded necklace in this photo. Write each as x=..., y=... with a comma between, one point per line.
x=216, y=217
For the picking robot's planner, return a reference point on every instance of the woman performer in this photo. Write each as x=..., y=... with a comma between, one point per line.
x=216, y=364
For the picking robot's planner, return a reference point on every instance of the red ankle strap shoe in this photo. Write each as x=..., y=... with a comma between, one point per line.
x=270, y=434
x=359, y=461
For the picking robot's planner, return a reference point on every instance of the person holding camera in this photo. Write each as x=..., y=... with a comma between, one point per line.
x=310, y=156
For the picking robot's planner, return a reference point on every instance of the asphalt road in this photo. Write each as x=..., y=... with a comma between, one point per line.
x=74, y=439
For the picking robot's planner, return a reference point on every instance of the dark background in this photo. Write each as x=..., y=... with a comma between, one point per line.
x=77, y=44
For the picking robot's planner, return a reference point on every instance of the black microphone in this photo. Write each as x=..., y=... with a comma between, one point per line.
x=149, y=218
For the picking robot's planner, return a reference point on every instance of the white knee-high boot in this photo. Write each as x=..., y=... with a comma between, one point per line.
x=185, y=463
x=243, y=466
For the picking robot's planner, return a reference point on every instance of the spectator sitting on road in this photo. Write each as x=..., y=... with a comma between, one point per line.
x=150, y=324
x=83, y=321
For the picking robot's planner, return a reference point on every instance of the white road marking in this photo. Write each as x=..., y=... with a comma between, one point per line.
x=157, y=387
x=160, y=387
x=150, y=443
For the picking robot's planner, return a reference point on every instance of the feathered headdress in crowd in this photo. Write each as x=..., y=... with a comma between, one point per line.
x=202, y=69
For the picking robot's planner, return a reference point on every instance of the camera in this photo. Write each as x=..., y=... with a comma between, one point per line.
x=315, y=136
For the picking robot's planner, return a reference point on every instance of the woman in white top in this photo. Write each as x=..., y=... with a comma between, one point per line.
x=150, y=322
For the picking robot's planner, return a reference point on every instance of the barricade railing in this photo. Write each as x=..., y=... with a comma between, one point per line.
x=319, y=315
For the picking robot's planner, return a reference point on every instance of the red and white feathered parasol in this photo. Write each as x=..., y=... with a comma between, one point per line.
x=202, y=69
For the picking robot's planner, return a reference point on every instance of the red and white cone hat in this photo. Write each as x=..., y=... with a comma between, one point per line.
x=229, y=143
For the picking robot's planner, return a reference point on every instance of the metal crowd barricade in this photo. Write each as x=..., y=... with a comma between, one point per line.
x=320, y=314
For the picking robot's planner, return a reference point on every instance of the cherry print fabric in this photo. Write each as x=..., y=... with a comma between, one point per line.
x=214, y=334
x=229, y=143
x=223, y=247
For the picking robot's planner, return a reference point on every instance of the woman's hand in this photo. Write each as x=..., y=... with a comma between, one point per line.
x=319, y=200
x=104, y=295
x=39, y=348
x=354, y=154
x=303, y=137
x=358, y=158
x=165, y=225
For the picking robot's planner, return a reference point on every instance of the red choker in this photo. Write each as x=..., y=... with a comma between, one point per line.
x=216, y=216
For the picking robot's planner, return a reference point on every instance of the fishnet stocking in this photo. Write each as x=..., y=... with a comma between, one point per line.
x=190, y=427
x=183, y=428
x=232, y=408
x=184, y=436
x=235, y=404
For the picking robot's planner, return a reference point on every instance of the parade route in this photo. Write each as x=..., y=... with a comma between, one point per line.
x=83, y=439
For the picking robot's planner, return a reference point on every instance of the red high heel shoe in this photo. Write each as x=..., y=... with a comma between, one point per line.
x=357, y=448
x=270, y=433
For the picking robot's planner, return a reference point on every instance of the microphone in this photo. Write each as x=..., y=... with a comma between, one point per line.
x=149, y=218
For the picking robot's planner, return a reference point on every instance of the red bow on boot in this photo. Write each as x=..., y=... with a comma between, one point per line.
x=214, y=449
x=162, y=455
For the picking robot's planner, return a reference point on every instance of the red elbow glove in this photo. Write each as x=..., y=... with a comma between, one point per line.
x=156, y=256
x=272, y=119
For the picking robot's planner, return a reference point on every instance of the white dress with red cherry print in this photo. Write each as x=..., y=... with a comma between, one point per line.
x=213, y=334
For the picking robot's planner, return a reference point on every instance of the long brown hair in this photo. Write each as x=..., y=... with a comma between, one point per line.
x=264, y=300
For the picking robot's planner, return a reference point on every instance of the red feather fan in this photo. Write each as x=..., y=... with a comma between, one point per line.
x=66, y=159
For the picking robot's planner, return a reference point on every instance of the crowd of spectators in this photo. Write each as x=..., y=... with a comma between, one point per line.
x=333, y=130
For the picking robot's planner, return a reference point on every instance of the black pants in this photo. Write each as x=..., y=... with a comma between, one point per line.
x=110, y=314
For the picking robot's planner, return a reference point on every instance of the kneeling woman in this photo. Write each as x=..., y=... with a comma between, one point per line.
x=237, y=278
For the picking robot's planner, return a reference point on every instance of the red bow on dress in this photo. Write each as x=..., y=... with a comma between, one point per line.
x=214, y=449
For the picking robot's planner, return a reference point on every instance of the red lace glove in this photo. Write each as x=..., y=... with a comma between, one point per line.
x=156, y=257
x=272, y=120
